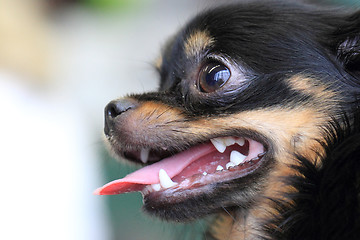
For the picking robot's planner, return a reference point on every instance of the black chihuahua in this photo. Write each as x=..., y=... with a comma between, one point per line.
x=256, y=120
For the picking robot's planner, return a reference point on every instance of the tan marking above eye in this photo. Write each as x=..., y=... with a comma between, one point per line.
x=197, y=42
x=321, y=92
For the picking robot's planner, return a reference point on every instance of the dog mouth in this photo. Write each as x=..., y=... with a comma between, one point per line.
x=218, y=160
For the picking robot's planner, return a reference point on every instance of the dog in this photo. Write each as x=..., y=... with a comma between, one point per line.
x=256, y=122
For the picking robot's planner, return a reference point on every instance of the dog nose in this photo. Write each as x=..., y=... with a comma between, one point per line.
x=114, y=109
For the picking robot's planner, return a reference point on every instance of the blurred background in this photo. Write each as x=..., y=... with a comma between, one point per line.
x=61, y=62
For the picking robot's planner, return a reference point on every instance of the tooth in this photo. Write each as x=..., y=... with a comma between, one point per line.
x=204, y=173
x=156, y=186
x=240, y=141
x=229, y=141
x=144, y=155
x=165, y=180
x=261, y=154
x=230, y=164
x=236, y=157
x=219, y=168
x=218, y=144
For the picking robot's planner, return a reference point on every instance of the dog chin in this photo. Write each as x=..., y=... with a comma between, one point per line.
x=192, y=204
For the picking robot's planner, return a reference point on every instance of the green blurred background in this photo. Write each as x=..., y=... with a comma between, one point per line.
x=61, y=62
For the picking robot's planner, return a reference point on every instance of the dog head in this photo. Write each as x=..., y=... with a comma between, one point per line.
x=242, y=88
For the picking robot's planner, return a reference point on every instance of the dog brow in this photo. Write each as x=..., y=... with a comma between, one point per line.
x=197, y=42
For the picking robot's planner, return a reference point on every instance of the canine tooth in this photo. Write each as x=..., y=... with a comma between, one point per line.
x=219, y=168
x=218, y=144
x=229, y=141
x=230, y=164
x=156, y=186
x=204, y=173
x=240, y=141
x=261, y=154
x=144, y=155
x=236, y=157
x=165, y=180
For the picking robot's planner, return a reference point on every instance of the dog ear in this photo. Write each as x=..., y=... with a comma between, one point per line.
x=347, y=45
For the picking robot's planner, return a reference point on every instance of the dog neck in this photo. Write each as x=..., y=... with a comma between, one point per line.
x=235, y=225
x=241, y=224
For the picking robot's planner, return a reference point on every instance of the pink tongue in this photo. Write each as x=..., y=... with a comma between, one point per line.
x=150, y=174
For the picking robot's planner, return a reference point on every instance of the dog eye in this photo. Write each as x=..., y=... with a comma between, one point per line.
x=213, y=76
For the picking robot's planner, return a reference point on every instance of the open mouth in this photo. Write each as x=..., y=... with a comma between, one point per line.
x=218, y=160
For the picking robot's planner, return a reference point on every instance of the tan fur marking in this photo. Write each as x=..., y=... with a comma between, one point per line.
x=222, y=227
x=320, y=91
x=156, y=113
x=197, y=42
x=158, y=63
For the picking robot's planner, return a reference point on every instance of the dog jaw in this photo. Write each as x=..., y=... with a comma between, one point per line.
x=272, y=127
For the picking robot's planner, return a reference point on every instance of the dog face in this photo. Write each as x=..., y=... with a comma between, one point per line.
x=243, y=87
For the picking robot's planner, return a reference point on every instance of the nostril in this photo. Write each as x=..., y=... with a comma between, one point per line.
x=114, y=109
x=117, y=107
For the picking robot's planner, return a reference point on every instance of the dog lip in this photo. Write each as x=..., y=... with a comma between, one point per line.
x=155, y=154
x=253, y=162
x=201, y=183
x=138, y=180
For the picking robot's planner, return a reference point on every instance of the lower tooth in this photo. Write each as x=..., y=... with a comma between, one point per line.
x=261, y=154
x=230, y=164
x=165, y=180
x=156, y=186
x=219, y=168
x=236, y=157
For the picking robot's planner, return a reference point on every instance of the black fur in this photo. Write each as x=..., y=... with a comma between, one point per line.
x=311, y=40
x=326, y=204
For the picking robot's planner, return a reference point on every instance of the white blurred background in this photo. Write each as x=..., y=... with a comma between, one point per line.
x=60, y=63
